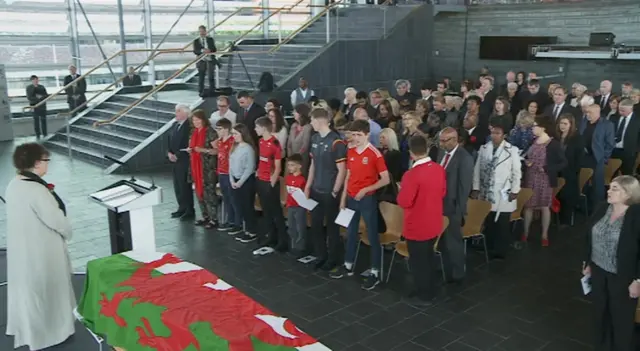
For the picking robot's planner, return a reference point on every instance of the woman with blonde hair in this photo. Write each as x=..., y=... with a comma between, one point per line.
x=578, y=92
x=410, y=123
x=611, y=265
x=521, y=135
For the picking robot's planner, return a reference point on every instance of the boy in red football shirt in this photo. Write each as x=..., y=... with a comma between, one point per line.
x=223, y=144
x=421, y=197
x=366, y=173
x=268, y=186
x=296, y=215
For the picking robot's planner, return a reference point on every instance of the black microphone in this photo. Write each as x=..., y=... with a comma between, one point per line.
x=107, y=157
x=2, y=199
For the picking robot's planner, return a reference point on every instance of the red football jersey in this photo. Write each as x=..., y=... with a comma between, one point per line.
x=296, y=181
x=364, y=168
x=224, y=148
x=270, y=151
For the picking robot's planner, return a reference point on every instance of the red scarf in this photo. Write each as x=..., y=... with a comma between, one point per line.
x=198, y=138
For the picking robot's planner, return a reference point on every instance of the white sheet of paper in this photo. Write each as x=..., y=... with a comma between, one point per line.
x=586, y=285
x=302, y=200
x=263, y=251
x=344, y=217
x=307, y=259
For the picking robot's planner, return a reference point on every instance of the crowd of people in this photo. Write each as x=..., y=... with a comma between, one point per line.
x=427, y=154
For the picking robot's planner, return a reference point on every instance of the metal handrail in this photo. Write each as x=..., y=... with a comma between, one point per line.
x=162, y=85
x=304, y=26
x=184, y=68
x=151, y=57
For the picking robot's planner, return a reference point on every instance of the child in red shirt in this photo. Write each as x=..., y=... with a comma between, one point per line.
x=366, y=173
x=421, y=197
x=296, y=215
x=223, y=144
x=268, y=186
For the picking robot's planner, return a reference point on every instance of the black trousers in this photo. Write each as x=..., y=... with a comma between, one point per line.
x=422, y=268
x=628, y=160
x=182, y=186
x=206, y=68
x=498, y=233
x=327, y=244
x=40, y=122
x=272, y=214
x=75, y=103
x=614, y=311
x=243, y=201
x=452, y=249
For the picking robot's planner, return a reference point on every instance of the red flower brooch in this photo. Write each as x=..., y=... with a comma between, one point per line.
x=472, y=139
x=51, y=187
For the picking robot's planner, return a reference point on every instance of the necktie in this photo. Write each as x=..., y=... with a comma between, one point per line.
x=446, y=160
x=246, y=113
x=603, y=101
x=555, y=111
x=620, y=129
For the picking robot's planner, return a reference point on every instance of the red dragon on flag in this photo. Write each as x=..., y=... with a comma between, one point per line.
x=196, y=295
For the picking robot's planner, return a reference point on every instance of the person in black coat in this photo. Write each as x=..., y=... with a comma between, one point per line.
x=249, y=112
x=205, y=44
x=35, y=94
x=573, y=145
x=612, y=265
x=132, y=79
x=76, y=91
x=178, y=154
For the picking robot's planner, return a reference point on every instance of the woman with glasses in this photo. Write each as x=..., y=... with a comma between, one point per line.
x=40, y=295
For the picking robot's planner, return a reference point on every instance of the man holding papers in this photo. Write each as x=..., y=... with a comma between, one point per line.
x=366, y=173
x=328, y=153
x=421, y=197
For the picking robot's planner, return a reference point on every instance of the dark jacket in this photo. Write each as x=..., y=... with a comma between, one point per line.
x=79, y=89
x=628, y=253
x=132, y=80
x=35, y=94
x=556, y=161
x=179, y=140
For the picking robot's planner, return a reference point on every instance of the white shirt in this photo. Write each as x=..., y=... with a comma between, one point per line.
x=305, y=93
x=450, y=156
x=230, y=115
x=620, y=145
x=557, y=108
x=470, y=131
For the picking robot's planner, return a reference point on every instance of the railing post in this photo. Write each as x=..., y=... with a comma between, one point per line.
x=68, y=128
x=148, y=38
x=73, y=33
x=329, y=26
x=280, y=27
x=123, y=43
x=265, y=14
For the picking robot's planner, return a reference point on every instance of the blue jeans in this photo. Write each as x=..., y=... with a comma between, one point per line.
x=367, y=207
x=225, y=189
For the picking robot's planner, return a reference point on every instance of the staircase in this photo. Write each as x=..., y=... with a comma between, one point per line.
x=117, y=139
x=139, y=137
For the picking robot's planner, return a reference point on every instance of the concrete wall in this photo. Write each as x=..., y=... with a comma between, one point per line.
x=572, y=23
x=370, y=64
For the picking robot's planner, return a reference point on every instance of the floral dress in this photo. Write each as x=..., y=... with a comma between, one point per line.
x=537, y=178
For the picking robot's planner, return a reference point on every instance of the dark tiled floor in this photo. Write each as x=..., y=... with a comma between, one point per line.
x=532, y=301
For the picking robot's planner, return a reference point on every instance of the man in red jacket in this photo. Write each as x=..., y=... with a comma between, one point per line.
x=421, y=195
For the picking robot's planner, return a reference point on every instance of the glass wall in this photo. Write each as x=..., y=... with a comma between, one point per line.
x=30, y=45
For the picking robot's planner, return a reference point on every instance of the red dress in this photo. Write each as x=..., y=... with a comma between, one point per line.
x=536, y=178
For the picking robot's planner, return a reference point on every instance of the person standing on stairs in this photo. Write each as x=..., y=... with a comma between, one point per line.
x=205, y=44
x=36, y=93
x=75, y=92
x=302, y=94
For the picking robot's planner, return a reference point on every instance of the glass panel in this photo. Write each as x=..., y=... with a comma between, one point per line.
x=111, y=2
x=188, y=24
x=26, y=23
x=107, y=23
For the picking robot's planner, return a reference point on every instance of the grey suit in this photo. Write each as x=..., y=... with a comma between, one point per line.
x=459, y=171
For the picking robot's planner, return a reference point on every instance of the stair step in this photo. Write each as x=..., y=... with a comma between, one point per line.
x=151, y=104
x=94, y=144
x=83, y=153
x=122, y=124
x=139, y=110
x=107, y=133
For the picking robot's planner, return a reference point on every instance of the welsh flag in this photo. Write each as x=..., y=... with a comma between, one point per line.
x=155, y=301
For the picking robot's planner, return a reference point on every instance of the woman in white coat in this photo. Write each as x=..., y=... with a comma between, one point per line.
x=40, y=295
x=496, y=178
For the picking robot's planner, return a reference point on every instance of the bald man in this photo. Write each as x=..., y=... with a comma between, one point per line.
x=458, y=165
x=604, y=98
x=599, y=140
x=374, y=128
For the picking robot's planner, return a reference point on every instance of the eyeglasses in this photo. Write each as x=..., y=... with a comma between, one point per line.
x=45, y=159
x=446, y=140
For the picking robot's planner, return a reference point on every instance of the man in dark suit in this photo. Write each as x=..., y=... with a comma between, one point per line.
x=533, y=93
x=250, y=111
x=35, y=94
x=560, y=105
x=477, y=132
x=599, y=140
x=75, y=92
x=627, y=136
x=179, y=156
x=458, y=165
x=489, y=96
x=605, y=97
x=132, y=79
x=204, y=44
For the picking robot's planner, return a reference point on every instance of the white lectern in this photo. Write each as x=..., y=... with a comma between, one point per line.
x=130, y=208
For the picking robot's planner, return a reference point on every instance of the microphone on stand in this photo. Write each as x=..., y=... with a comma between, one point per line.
x=123, y=164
